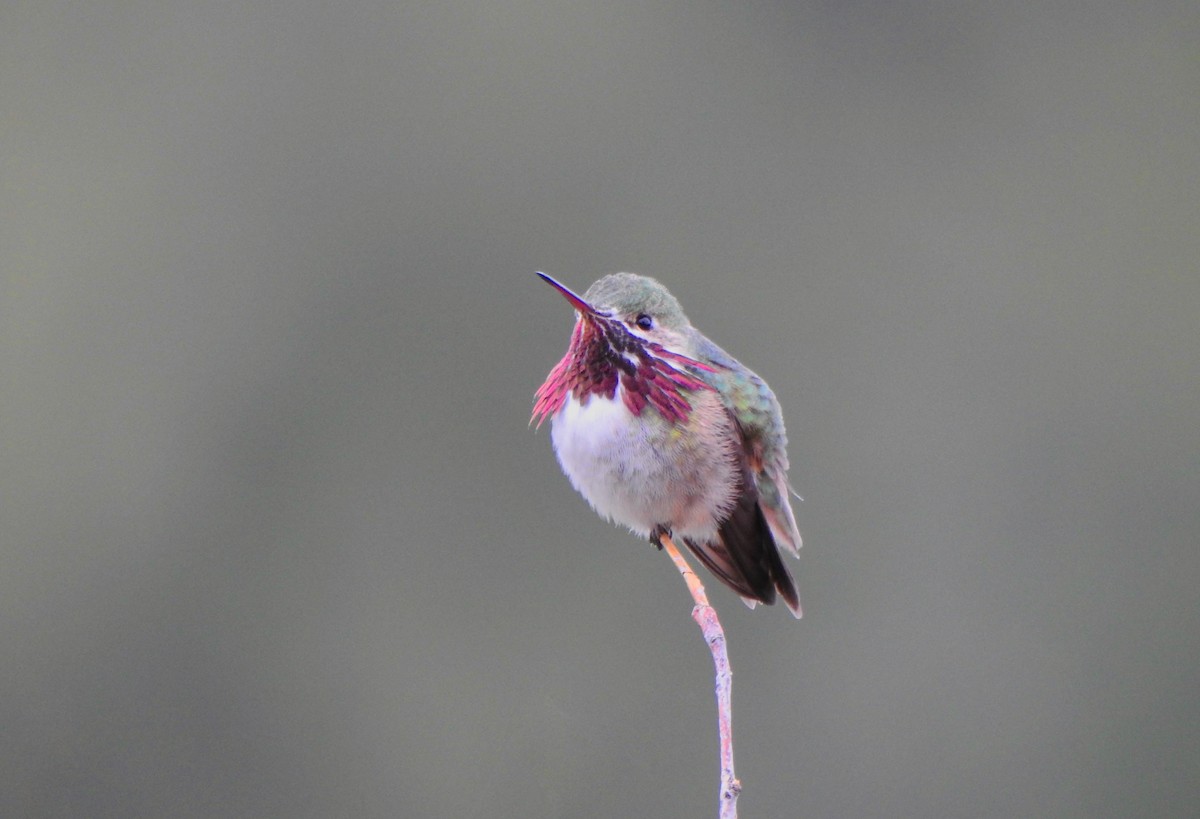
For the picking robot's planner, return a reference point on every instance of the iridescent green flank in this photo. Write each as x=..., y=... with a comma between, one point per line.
x=749, y=398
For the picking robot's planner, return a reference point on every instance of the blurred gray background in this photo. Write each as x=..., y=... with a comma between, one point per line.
x=277, y=540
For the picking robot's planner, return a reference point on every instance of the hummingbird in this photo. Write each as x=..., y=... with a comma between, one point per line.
x=664, y=432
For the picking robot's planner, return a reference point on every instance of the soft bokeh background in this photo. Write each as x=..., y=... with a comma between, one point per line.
x=277, y=541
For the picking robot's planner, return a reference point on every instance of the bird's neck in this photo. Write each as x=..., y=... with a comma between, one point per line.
x=607, y=362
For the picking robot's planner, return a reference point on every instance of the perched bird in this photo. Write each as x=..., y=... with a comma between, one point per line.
x=662, y=431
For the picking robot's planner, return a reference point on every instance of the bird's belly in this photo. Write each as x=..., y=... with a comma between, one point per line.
x=642, y=471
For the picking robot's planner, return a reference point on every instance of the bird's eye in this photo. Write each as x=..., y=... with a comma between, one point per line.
x=644, y=321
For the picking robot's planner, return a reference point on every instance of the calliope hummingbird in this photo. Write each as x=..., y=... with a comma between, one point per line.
x=664, y=432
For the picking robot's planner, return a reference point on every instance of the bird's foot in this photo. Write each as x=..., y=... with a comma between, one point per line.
x=656, y=536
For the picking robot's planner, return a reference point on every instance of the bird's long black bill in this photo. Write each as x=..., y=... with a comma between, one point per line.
x=570, y=295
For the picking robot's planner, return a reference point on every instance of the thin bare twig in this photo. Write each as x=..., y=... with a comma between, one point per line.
x=706, y=617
